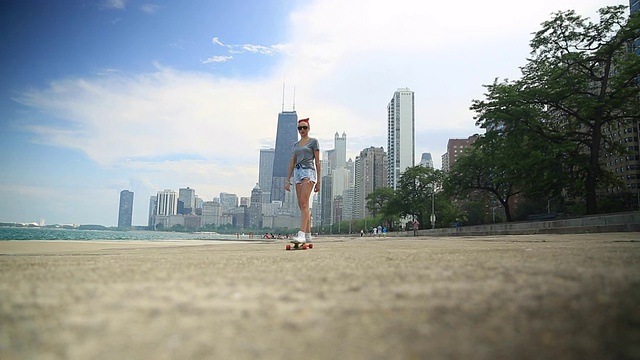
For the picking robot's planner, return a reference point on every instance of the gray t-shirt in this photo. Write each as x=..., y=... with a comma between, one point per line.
x=305, y=154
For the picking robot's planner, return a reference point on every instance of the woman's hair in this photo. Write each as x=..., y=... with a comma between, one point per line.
x=303, y=120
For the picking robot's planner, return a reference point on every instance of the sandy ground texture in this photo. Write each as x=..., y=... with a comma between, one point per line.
x=502, y=297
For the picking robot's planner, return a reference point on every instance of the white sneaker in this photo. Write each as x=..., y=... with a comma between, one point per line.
x=299, y=239
x=307, y=237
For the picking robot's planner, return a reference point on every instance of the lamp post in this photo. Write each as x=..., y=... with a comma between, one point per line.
x=433, y=206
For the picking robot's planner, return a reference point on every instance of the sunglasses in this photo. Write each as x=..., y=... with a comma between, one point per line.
x=303, y=128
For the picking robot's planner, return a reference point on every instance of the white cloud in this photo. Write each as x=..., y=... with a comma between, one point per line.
x=217, y=41
x=175, y=126
x=251, y=48
x=346, y=64
x=114, y=4
x=156, y=114
x=149, y=8
x=218, y=59
x=168, y=114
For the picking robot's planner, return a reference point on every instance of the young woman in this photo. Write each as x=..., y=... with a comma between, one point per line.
x=305, y=167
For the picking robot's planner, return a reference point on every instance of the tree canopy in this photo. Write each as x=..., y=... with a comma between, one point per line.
x=581, y=78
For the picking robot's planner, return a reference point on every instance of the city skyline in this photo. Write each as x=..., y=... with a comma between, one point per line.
x=106, y=95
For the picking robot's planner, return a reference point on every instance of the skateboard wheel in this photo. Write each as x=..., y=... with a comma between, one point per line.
x=310, y=246
x=288, y=247
x=304, y=246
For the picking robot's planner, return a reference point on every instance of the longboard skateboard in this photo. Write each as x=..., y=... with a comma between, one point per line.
x=299, y=246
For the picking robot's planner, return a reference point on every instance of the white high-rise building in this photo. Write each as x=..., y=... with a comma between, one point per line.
x=166, y=203
x=400, y=135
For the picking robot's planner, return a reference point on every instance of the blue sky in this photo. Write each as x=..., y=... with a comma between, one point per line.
x=98, y=96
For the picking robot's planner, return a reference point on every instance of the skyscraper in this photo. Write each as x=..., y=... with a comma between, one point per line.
x=325, y=200
x=166, y=203
x=455, y=148
x=228, y=201
x=245, y=201
x=351, y=168
x=265, y=173
x=153, y=201
x=340, y=146
x=188, y=198
x=625, y=167
x=330, y=159
x=445, y=162
x=286, y=136
x=400, y=135
x=426, y=160
x=211, y=213
x=125, y=210
x=255, y=209
x=634, y=7
x=339, y=184
x=371, y=173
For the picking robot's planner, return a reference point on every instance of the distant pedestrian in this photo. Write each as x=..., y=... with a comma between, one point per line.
x=416, y=226
x=379, y=230
x=361, y=232
x=384, y=231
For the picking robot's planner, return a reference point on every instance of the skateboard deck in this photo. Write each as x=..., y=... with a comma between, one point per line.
x=299, y=246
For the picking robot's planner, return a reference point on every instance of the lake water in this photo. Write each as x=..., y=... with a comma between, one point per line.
x=10, y=233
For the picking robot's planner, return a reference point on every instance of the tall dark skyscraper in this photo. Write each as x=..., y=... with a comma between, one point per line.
x=286, y=136
x=125, y=211
x=265, y=173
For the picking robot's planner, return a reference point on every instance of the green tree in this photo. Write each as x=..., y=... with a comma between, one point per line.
x=447, y=212
x=416, y=187
x=380, y=203
x=378, y=198
x=489, y=166
x=579, y=81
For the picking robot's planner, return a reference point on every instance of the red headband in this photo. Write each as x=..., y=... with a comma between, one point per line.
x=303, y=120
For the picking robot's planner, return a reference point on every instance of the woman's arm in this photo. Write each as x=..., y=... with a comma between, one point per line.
x=316, y=155
x=292, y=163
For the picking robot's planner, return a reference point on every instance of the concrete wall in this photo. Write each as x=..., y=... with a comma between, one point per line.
x=629, y=221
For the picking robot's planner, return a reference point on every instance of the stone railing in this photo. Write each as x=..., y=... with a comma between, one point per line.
x=621, y=222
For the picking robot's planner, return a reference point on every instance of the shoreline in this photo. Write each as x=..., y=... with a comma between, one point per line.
x=17, y=247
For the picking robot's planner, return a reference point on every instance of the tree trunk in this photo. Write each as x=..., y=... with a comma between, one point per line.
x=593, y=171
x=507, y=209
x=591, y=181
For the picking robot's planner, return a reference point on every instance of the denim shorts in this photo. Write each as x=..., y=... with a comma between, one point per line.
x=299, y=174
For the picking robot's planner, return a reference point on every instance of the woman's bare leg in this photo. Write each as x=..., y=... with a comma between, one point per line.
x=303, y=192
